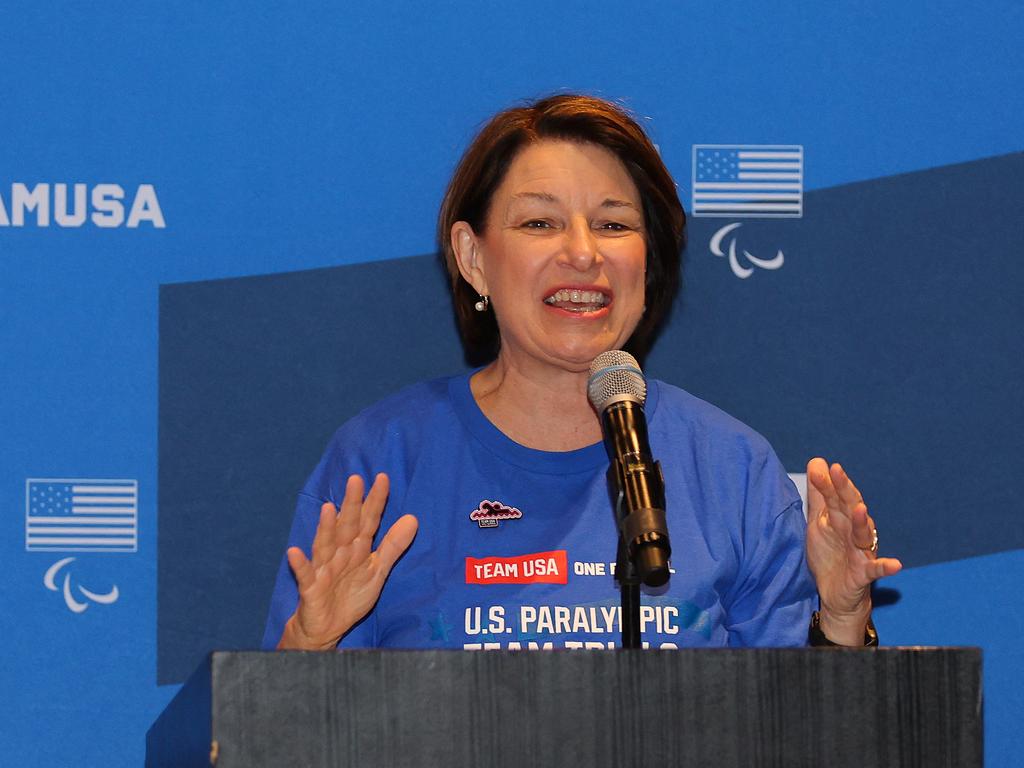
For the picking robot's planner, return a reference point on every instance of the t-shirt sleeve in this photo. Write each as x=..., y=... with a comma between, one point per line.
x=774, y=594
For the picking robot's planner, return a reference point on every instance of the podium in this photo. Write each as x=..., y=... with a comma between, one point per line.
x=718, y=707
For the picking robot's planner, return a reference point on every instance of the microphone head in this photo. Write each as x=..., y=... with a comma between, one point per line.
x=615, y=376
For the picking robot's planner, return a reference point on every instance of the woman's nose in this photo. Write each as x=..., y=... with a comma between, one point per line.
x=581, y=250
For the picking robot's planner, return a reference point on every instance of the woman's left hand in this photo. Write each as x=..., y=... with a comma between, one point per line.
x=841, y=552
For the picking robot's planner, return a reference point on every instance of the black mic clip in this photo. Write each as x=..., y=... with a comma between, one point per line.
x=644, y=551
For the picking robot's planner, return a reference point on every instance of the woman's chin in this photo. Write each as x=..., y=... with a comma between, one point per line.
x=578, y=356
x=572, y=351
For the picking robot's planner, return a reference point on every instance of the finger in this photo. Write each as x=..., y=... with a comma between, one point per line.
x=818, y=484
x=863, y=529
x=827, y=486
x=884, y=566
x=305, y=575
x=844, y=486
x=324, y=540
x=337, y=565
x=373, y=506
x=396, y=541
x=368, y=520
x=878, y=568
x=351, y=506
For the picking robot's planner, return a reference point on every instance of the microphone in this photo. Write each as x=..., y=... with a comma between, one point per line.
x=617, y=390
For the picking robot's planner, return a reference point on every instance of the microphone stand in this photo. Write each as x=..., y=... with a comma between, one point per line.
x=637, y=492
x=626, y=572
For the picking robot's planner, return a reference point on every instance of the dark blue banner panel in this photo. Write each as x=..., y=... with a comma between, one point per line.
x=886, y=337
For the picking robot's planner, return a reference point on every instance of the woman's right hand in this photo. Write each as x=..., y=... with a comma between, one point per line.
x=342, y=582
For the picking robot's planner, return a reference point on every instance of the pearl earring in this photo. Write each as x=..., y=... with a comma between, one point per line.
x=481, y=306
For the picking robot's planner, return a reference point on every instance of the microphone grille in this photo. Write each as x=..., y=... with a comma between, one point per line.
x=615, y=375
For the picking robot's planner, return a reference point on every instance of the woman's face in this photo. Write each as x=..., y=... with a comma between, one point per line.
x=562, y=255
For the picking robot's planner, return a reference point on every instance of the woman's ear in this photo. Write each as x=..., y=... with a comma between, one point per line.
x=469, y=256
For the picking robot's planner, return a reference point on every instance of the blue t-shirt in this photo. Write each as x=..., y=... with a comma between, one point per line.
x=516, y=547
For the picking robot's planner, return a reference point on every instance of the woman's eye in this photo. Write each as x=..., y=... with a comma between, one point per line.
x=614, y=226
x=536, y=224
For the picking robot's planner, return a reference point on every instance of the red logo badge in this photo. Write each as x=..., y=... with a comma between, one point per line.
x=489, y=513
x=538, y=568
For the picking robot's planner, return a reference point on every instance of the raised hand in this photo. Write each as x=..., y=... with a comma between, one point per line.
x=842, y=552
x=343, y=581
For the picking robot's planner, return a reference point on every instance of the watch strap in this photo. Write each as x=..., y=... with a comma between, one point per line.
x=816, y=637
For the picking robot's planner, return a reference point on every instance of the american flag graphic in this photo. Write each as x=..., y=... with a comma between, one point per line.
x=81, y=515
x=748, y=180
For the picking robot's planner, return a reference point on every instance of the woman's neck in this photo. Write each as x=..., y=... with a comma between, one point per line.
x=540, y=407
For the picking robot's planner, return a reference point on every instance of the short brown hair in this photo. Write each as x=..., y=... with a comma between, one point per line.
x=566, y=117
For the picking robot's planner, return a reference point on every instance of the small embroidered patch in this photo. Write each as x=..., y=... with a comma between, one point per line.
x=488, y=513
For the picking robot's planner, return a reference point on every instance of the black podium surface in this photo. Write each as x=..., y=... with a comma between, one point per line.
x=764, y=707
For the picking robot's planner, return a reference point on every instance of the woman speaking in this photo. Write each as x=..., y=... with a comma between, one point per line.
x=488, y=522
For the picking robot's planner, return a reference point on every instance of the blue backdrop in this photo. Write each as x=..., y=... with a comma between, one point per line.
x=217, y=228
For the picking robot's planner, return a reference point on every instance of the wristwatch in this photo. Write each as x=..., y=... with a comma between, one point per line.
x=816, y=638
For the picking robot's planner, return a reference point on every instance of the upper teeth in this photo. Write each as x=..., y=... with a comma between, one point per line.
x=576, y=296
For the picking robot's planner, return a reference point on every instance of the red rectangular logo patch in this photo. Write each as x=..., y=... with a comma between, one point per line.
x=538, y=568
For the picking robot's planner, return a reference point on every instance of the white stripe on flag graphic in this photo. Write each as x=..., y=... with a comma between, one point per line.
x=756, y=195
x=768, y=155
x=771, y=166
x=129, y=489
x=768, y=176
x=120, y=531
x=80, y=520
x=745, y=185
x=88, y=511
x=747, y=207
x=82, y=541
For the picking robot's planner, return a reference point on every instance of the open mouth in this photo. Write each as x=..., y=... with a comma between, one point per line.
x=578, y=300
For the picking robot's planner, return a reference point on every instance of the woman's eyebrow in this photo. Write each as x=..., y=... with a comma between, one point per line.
x=546, y=197
x=612, y=202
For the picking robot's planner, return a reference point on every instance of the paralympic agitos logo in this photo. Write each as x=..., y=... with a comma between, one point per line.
x=73, y=205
